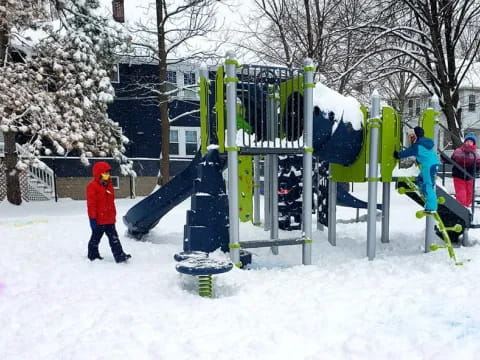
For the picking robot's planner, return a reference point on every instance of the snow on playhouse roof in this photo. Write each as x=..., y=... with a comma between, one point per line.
x=344, y=107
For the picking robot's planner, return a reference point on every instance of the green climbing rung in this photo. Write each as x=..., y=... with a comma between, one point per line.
x=441, y=226
x=402, y=190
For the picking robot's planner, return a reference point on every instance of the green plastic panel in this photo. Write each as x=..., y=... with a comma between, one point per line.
x=356, y=171
x=286, y=89
x=428, y=120
x=390, y=141
x=245, y=188
x=241, y=123
x=220, y=108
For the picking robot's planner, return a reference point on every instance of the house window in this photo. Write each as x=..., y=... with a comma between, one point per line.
x=410, y=107
x=189, y=78
x=174, y=146
x=172, y=77
x=417, y=106
x=191, y=146
x=118, y=11
x=115, y=182
x=471, y=103
x=184, y=141
x=115, y=75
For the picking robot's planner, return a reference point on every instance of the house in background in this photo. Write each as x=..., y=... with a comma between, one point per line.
x=136, y=110
x=469, y=104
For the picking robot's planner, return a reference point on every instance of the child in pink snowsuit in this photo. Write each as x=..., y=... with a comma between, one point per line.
x=468, y=159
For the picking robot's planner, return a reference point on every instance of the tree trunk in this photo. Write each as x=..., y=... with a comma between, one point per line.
x=453, y=117
x=163, y=98
x=3, y=45
x=14, y=194
x=308, y=16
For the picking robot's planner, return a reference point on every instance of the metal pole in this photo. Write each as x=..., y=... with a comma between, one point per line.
x=231, y=94
x=256, y=190
x=436, y=129
x=271, y=126
x=332, y=211
x=386, y=213
x=429, y=232
x=274, y=212
x=465, y=239
x=373, y=124
x=307, y=160
x=429, y=220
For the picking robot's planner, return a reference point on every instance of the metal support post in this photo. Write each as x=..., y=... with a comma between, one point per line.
x=373, y=124
x=273, y=161
x=205, y=126
x=332, y=211
x=429, y=232
x=256, y=190
x=307, y=160
x=436, y=132
x=231, y=94
x=465, y=238
x=429, y=220
x=274, y=212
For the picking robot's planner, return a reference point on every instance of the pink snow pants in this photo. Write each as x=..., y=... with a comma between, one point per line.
x=463, y=191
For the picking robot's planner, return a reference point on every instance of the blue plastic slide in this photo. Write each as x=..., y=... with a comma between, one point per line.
x=344, y=198
x=147, y=213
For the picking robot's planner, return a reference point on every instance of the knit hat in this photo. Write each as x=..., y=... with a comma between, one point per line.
x=419, y=132
x=471, y=136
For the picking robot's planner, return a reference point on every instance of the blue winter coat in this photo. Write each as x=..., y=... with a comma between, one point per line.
x=423, y=150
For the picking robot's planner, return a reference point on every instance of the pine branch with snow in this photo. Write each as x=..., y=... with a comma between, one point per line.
x=57, y=98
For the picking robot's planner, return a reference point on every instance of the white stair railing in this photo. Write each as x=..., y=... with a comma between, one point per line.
x=40, y=177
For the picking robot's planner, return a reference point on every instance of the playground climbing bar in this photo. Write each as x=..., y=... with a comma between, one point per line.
x=231, y=94
x=307, y=160
x=374, y=125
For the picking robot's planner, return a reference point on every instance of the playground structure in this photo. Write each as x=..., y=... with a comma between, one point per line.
x=271, y=112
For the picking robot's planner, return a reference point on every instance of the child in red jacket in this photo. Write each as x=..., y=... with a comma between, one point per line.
x=102, y=212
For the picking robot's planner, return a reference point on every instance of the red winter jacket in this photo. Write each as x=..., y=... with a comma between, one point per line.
x=465, y=157
x=100, y=197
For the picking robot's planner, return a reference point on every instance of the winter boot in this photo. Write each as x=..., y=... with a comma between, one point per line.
x=93, y=254
x=122, y=257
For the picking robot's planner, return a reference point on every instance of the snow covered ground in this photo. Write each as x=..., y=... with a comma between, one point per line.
x=56, y=304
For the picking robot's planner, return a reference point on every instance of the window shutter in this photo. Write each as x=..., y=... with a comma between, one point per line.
x=118, y=11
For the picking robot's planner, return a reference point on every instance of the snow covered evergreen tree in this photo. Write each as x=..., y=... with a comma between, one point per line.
x=54, y=100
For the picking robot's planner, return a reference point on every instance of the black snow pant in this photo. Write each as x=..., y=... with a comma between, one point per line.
x=113, y=240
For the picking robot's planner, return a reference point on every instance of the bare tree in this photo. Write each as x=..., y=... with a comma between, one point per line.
x=292, y=31
x=433, y=35
x=325, y=31
x=173, y=36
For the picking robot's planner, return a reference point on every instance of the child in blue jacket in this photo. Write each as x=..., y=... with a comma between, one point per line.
x=424, y=151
